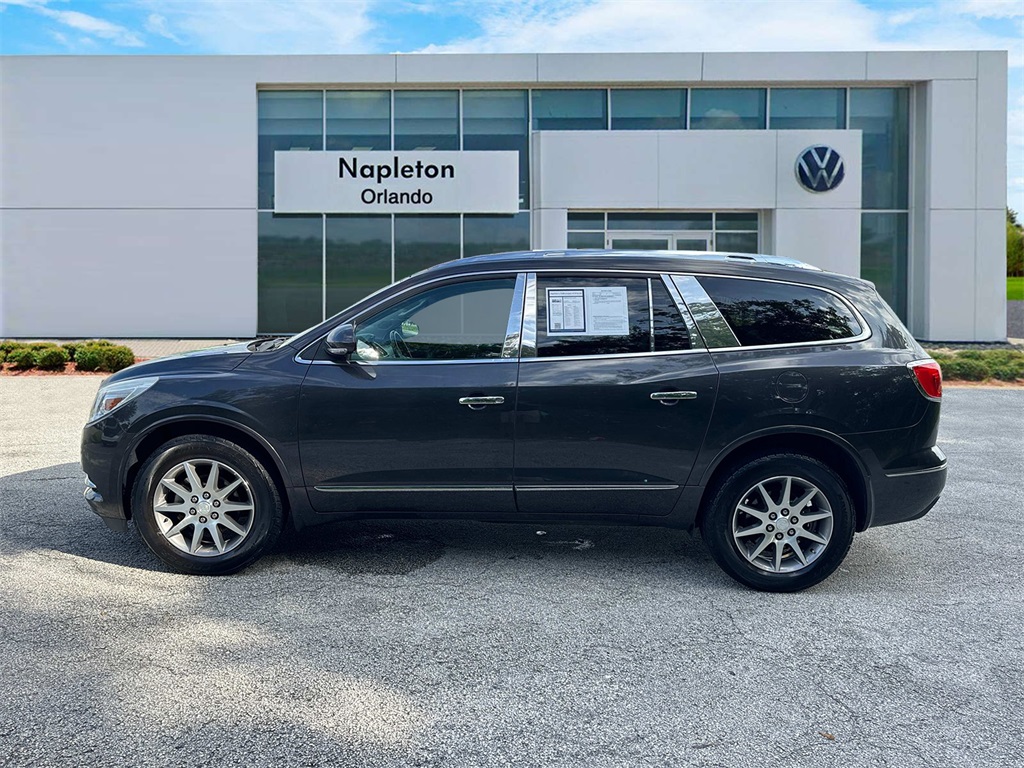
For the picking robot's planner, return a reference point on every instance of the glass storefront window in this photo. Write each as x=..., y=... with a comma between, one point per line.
x=662, y=221
x=358, y=120
x=727, y=108
x=736, y=242
x=289, y=272
x=648, y=109
x=586, y=221
x=427, y=120
x=495, y=234
x=499, y=120
x=793, y=108
x=358, y=258
x=883, y=256
x=287, y=120
x=585, y=240
x=883, y=114
x=422, y=240
x=570, y=110
x=736, y=222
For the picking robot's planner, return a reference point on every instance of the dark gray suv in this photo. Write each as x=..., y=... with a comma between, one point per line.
x=776, y=407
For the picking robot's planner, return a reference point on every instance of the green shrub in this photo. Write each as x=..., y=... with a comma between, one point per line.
x=71, y=347
x=114, y=358
x=1008, y=372
x=88, y=357
x=36, y=346
x=7, y=345
x=972, y=354
x=51, y=358
x=1004, y=357
x=24, y=359
x=100, y=343
x=965, y=369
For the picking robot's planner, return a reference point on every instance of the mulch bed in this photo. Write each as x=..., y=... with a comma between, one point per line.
x=7, y=369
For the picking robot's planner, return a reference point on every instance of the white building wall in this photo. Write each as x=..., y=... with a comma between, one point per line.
x=128, y=184
x=704, y=170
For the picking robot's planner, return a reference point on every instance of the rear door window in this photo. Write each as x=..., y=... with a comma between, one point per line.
x=592, y=316
x=762, y=312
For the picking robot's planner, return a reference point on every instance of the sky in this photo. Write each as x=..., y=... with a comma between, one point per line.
x=527, y=26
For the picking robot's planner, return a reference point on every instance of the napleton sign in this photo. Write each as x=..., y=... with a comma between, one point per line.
x=396, y=182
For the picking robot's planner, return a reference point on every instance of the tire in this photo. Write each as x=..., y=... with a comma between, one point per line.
x=222, y=532
x=755, y=556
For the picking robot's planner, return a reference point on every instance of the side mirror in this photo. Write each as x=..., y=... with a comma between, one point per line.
x=341, y=342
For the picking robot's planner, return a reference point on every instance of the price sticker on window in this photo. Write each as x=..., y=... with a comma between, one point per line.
x=588, y=311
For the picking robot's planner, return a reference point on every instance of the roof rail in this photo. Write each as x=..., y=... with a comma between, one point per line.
x=720, y=256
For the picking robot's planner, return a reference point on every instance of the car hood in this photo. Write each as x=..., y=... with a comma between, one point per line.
x=223, y=358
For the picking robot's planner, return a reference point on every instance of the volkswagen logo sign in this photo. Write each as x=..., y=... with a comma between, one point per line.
x=820, y=169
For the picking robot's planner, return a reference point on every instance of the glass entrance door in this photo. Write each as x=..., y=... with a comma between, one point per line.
x=640, y=243
x=659, y=241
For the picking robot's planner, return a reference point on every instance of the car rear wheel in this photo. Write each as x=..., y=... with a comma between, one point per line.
x=780, y=523
x=204, y=505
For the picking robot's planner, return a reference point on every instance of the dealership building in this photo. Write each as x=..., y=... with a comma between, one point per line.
x=229, y=196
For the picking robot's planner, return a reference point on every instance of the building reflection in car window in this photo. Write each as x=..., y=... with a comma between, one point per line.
x=636, y=337
x=460, y=321
x=762, y=312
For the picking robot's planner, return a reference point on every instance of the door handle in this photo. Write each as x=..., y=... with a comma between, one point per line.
x=671, y=398
x=477, y=403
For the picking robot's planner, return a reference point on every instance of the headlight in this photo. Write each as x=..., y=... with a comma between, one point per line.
x=113, y=396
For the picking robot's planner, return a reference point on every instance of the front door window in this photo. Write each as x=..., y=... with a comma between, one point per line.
x=458, y=321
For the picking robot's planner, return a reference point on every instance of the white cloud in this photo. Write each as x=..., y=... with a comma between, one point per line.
x=265, y=26
x=726, y=25
x=157, y=25
x=991, y=9
x=664, y=25
x=95, y=26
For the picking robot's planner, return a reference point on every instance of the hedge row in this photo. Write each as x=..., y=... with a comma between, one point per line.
x=94, y=355
x=980, y=364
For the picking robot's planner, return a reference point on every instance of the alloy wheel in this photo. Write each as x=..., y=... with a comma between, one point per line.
x=203, y=507
x=782, y=524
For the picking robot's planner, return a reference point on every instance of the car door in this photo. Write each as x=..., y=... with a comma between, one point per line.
x=420, y=417
x=615, y=394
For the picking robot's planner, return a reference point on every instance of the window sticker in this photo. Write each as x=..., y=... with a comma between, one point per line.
x=588, y=311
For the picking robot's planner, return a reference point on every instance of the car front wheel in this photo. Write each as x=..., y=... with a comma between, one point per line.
x=204, y=505
x=780, y=523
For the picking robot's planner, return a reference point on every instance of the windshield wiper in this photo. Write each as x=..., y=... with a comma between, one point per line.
x=265, y=345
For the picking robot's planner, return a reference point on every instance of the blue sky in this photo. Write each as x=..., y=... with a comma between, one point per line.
x=387, y=26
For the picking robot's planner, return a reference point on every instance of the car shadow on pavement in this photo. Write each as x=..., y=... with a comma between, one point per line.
x=43, y=509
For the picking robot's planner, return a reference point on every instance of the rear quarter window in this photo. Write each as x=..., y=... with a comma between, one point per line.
x=762, y=312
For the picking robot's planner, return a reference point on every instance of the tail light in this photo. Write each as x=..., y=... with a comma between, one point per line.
x=929, y=378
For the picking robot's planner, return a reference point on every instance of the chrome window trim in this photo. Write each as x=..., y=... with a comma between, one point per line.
x=528, y=343
x=865, y=333
x=650, y=313
x=530, y=316
x=696, y=339
x=514, y=329
x=712, y=323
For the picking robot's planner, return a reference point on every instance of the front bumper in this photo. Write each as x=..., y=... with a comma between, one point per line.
x=111, y=514
x=102, y=451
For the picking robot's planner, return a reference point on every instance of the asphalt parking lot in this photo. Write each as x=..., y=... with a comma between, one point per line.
x=466, y=644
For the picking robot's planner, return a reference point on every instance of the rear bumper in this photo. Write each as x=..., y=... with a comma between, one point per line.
x=909, y=492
